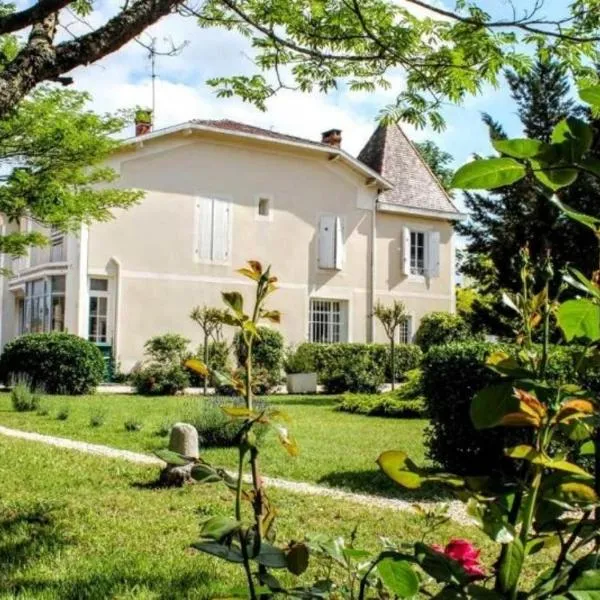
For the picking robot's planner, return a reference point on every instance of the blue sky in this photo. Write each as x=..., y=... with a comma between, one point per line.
x=122, y=80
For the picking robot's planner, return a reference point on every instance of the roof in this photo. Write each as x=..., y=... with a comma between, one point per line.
x=242, y=130
x=393, y=156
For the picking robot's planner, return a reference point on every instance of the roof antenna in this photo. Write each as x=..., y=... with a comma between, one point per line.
x=171, y=49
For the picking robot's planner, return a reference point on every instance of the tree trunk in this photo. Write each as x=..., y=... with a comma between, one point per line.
x=393, y=362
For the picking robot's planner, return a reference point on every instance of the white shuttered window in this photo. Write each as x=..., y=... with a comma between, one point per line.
x=331, y=242
x=420, y=252
x=213, y=229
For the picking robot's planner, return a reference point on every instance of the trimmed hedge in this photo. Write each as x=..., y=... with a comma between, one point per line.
x=405, y=402
x=438, y=328
x=353, y=367
x=57, y=363
x=160, y=379
x=452, y=375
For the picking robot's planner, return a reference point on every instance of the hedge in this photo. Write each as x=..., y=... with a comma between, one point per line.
x=354, y=367
x=452, y=375
x=57, y=363
x=437, y=328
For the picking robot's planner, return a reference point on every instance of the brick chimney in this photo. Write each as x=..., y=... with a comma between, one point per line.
x=143, y=121
x=333, y=137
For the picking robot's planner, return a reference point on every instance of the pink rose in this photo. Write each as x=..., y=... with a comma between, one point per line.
x=464, y=553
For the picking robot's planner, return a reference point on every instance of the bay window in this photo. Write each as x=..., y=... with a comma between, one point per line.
x=43, y=306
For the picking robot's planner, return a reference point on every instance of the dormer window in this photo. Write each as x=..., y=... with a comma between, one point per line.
x=264, y=207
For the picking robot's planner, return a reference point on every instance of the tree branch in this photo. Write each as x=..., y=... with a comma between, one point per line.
x=38, y=12
x=39, y=60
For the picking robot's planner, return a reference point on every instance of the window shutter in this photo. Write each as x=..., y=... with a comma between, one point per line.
x=221, y=221
x=204, y=206
x=433, y=254
x=327, y=228
x=406, y=251
x=339, y=243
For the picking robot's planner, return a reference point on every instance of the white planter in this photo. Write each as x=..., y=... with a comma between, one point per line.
x=302, y=383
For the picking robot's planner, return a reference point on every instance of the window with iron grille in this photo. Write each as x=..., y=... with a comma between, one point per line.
x=327, y=321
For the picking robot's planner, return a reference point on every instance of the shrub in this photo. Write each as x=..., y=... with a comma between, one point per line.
x=267, y=351
x=298, y=361
x=98, y=418
x=263, y=383
x=59, y=363
x=452, y=375
x=405, y=402
x=408, y=358
x=155, y=379
x=133, y=425
x=438, y=328
x=354, y=372
x=215, y=428
x=218, y=360
x=22, y=398
x=63, y=414
x=167, y=348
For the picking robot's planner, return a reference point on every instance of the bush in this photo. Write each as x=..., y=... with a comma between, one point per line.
x=155, y=379
x=298, y=361
x=263, y=383
x=452, y=375
x=215, y=428
x=267, y=351
x=405, y=402
x=438, y=328
x=167, y=348
x=354, y=372
x=408, y=358
x=64, y=413
x=22, y=398
x=218, y=360
x=133, y=425
x=98, y=418
x=59, y=363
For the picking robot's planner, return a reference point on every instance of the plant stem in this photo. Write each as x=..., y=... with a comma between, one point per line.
x=206, y=362
x=238, y=517
x=393, y=361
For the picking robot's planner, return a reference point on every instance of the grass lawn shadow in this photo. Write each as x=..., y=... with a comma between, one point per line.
x=27, y=534
x=374, y=482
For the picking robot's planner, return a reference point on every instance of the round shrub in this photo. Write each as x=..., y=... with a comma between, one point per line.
x=267, y=350
x=345, y=370
x=58, y=363
x=438, y=328
x=218, y=360
x=155, y=379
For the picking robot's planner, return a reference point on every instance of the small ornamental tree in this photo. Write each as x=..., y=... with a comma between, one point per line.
x=391, y=318
x=211, y=323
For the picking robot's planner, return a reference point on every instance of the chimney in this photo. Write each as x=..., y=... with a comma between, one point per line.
x=143, y=121
x=333, y=137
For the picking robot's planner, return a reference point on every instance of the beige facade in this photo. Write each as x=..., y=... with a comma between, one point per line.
x=215, y=199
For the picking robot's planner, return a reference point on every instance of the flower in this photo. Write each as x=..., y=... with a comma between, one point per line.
x=465, y=554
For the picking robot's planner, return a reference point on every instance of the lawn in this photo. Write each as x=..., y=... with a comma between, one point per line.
x=336, y=449
x=75, y=526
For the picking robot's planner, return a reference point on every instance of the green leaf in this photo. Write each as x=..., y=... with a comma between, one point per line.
x=591, y=95
x=400, y=468
x=491, y=404
x=228, y=553
x=399, y=577
x=554, y=177
x=205, y=474
x=575, y=137
x=519, y=148
x=297, y=558
x=591, y=164
x=586, y=586
x=488, y=174
x=511, y=564
x=272, y=557
x=172, y=458
x=439, y=566
x=589, y=221
x=235, y=301
x=197, y=366
x=580, y=319
x=218, y=527
x=578, y=280
x=588, y=449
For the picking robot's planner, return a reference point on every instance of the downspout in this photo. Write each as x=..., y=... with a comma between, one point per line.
x=2, y=283
x=116, y=263
x=371, y=295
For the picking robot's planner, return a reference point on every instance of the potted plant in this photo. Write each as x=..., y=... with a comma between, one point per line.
x=300, y=371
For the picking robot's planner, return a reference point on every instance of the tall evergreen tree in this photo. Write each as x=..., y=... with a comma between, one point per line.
x=505, y=220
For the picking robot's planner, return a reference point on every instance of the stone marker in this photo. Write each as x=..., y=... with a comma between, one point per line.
x=184, y=441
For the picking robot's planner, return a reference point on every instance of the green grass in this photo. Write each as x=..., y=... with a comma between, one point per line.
x=75, y=526
x=336, y=449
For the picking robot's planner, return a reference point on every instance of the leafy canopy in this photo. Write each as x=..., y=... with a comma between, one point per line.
x=52, y=151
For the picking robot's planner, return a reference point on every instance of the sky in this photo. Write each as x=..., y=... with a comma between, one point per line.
x=122, y=80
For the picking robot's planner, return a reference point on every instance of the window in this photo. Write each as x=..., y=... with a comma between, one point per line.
x=213, y=233
x=331, y=242
x=43, y=307
x=405, y=331
x=264, y=207
x=421, y=253
x=98, y=316
x=327, y=321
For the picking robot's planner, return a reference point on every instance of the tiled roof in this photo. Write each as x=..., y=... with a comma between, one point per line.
x=250, y=129
x=393, y=156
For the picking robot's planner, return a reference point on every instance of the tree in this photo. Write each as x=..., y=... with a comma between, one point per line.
x=437, y=160
x=211, y=323
x=51, y=150
x=308, y=45
x=512, y=217
x=391, y=317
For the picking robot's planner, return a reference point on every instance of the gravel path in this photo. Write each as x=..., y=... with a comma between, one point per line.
x=456, y=508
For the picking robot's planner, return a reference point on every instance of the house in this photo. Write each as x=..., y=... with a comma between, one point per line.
x=340, y=233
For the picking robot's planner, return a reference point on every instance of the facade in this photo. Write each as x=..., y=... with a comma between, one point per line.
x=340, y=233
